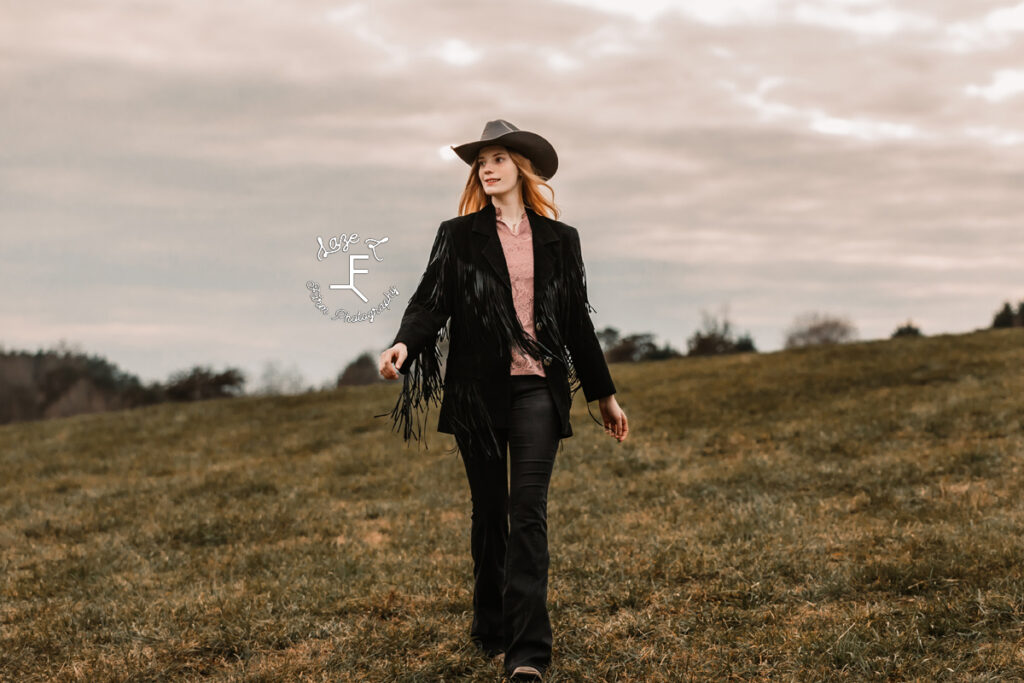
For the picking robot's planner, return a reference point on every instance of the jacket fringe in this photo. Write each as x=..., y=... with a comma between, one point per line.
x=422, y=384
x=421, y=387
x=474, y=433
x=566, y=300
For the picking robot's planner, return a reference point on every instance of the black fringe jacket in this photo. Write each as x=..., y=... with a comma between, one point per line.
x=466, y=284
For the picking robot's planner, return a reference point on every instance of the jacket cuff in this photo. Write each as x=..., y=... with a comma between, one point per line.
x=404, y=368
x=598, y=385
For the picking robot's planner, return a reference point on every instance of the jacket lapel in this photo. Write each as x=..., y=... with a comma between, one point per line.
x=545, y=247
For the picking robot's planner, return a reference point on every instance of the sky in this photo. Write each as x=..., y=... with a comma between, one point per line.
x=166, y=168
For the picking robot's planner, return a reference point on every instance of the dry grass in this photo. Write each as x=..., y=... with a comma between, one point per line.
x=847, y=513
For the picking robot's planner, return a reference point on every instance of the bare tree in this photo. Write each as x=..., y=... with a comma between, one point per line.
x=812, y=329
x=276, y=380
x=717, y=336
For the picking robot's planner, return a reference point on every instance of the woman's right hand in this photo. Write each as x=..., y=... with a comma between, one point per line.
x=392, y=358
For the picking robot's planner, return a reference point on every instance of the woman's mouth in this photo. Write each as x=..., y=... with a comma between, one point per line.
x=491, y=181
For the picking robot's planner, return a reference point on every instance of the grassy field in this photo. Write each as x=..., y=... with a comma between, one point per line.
x=843, y=513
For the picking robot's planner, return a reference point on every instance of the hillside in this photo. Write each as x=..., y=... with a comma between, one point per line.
x=841, y=513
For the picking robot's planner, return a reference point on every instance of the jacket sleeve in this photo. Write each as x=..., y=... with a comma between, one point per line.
x=430, y=305
x=584, y=347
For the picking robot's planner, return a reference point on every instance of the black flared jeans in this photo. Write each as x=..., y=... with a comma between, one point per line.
x=509, y=533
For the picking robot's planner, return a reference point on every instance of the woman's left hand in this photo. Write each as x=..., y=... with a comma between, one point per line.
x=615, y=422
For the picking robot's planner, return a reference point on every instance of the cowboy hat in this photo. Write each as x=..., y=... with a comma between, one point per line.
x=501, y=132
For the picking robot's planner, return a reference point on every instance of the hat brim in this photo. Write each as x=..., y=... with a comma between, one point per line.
x=533, y=146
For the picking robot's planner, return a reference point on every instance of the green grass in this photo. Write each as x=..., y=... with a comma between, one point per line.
x=836, y=513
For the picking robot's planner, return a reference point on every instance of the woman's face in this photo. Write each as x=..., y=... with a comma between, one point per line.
x=498, y=173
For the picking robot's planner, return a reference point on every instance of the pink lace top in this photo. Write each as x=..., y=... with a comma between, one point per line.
x=518, y=250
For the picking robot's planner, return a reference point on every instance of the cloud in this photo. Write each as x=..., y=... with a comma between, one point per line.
x=878, y=21
x=866, y=17
x=817, y=120
x=995, y=135
x=1006, y=83
x=458, y=52
x=992, y=31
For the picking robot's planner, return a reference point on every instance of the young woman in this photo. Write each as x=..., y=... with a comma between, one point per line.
x=510, y=279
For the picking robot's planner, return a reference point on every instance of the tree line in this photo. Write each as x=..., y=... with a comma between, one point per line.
x=64, y=381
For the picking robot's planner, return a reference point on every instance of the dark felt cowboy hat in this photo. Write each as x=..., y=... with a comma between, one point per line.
x=501, y=132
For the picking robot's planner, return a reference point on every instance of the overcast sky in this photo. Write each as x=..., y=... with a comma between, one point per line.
x=166, y=167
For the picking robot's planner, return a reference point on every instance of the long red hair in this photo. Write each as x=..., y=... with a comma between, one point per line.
x=474, y=198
